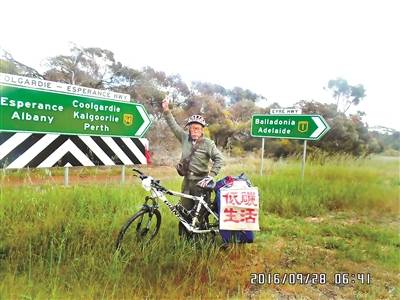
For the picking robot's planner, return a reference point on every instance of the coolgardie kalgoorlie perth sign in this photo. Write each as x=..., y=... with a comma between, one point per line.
x=35, y=105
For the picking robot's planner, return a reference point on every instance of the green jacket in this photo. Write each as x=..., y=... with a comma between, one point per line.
x=198, y=167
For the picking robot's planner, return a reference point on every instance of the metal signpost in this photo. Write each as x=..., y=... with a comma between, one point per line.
x=289, y=126
x=262, y=156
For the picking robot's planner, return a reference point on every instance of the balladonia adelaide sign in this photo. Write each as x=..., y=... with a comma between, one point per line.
x=35, y=105
x=304, y=127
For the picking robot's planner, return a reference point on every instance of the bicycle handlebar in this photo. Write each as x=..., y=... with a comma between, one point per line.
x=138, y=171
x=154, y=182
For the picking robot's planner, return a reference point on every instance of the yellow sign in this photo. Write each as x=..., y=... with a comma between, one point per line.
x=302, y=126
x=128, y=119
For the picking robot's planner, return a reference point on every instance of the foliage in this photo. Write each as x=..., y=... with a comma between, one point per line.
x=388, y=141
x=227, y=111
x=345, y=94
x=90, y=67
x=347, y=134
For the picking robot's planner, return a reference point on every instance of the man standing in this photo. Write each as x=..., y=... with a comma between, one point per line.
x=199, y=150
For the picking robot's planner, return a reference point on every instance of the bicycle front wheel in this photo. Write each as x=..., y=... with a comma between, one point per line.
x=141, y=228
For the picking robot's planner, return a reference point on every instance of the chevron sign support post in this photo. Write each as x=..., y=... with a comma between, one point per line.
x=47, y=124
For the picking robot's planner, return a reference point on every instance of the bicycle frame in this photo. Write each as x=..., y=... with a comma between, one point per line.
x=156, y=194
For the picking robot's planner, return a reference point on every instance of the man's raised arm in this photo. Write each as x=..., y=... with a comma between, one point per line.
x=176, y=129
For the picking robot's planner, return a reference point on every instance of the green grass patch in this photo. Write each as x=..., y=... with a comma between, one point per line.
x=58, y=242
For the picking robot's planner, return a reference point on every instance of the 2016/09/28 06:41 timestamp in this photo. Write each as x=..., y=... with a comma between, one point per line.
x=309, y=278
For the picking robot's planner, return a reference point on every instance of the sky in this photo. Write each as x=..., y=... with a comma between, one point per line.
x=285, y=50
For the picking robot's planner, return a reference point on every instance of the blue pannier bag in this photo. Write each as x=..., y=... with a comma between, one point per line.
x=232, y=236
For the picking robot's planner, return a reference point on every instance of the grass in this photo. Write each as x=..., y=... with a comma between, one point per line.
x=57, y=242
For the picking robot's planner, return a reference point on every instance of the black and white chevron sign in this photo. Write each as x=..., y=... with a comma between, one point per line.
x=34, y=150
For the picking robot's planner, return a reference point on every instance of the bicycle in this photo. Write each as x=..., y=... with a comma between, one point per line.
x=196, y=220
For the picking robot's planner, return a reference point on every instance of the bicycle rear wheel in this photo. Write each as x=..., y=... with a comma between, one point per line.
x=141, y=228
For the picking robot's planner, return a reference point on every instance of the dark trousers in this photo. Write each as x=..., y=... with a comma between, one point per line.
x=190, y=187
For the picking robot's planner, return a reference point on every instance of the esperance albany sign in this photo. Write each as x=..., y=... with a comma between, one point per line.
x=35, y=105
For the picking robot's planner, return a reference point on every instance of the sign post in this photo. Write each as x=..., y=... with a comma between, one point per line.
x=262, y=157
x=123, y=174
x=66, y=175
x=303, y=162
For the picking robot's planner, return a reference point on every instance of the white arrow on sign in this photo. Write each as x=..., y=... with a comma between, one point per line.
x=146, y=121
x=320, y=127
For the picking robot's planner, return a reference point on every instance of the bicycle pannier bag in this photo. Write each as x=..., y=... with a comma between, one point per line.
x=232, y=236
x=182, y=167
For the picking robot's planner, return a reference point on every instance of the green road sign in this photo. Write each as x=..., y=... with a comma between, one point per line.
x=46, y=111
x=303, y=127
